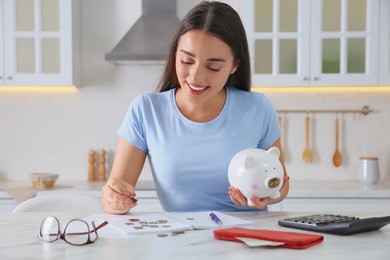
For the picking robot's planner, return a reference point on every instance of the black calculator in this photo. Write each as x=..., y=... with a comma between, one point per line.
x=335, y=224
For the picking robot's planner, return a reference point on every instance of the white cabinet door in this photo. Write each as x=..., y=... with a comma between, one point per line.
x=38, y=42
x=1, y=42
x=279, y=42
x=331, y=205
x=7, y=205
x=313, y=42
x=384, y=48
x=344, y=42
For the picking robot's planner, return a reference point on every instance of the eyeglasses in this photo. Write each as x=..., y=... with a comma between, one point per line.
x=76, y=232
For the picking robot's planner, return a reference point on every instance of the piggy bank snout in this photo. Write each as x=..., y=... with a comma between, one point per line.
x=273, y=182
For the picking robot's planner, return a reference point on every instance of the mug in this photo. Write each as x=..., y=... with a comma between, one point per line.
x=368, y=170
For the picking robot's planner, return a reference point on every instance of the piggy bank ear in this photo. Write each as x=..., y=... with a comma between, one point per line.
x=250, y=162
x=274, y=151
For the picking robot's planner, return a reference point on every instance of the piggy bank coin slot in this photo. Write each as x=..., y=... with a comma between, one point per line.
x=274, y=182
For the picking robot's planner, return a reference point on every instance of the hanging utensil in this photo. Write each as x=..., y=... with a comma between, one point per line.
x=337, y=157
x=307, y=153
x=282, y=155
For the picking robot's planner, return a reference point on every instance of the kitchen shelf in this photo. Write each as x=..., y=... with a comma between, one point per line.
x=365, y=110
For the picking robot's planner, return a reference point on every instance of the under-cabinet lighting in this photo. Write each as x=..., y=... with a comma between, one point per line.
x=323, y=89
x=39, y=89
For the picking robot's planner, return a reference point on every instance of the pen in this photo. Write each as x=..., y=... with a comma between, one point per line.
x=216, y=219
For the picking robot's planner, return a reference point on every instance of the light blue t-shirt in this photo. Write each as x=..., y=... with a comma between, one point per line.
x=189, y=160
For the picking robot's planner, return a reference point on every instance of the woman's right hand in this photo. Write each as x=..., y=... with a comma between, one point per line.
x=118, y=196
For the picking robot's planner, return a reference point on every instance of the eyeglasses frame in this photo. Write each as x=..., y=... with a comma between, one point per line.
x=61, y=235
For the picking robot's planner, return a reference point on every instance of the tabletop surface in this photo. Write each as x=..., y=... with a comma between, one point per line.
x=18, y=240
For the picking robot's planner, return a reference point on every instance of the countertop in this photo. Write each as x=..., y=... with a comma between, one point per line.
x=298, y=189
x=18, y=240
x=337, y=189
x=145, y=188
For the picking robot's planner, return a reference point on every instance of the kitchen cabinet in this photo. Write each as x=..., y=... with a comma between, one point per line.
x=146, y=195
x=322, y=196
x=7, y=205
x=333, y=205
x=334, y=196
x=384, y=49
x=39, y=42
x=314, y=42
x=145, y=202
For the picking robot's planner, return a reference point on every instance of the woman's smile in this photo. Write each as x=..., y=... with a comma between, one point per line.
x=196, y=89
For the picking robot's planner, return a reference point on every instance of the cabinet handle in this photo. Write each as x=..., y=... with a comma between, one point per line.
x=305, y=78
x=10, y=78
x=317, y=78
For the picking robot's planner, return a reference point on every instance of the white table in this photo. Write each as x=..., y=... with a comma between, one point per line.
x=18, y=240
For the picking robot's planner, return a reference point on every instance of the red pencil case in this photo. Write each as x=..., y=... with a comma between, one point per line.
x=290, y=239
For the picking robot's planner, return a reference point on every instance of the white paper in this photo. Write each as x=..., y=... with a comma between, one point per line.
x=253, y=242
x=119, y=224
x=202, y=220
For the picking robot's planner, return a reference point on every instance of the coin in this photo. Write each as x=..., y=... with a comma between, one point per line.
x=162, y=235
x=134, y=220
x=162, y=221
x=129, y=223
x=175, y=233
x=138, y=227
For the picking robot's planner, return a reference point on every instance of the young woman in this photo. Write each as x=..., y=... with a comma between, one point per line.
x=202, y=115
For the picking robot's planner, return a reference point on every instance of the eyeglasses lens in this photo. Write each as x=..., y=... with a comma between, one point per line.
x=77, y=232
x=50, y=229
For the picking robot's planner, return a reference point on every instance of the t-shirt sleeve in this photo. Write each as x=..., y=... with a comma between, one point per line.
x=271, y=128
x=132, y=128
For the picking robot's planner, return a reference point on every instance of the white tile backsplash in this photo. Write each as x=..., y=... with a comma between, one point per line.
x=359, y=135
x=54, y=132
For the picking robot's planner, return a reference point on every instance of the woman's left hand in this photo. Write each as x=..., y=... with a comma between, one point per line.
x=240, y=200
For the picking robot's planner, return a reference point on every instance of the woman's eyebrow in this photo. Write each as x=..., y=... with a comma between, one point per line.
x=211, y=59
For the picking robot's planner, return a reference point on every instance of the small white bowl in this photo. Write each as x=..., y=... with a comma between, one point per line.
x=43, y=180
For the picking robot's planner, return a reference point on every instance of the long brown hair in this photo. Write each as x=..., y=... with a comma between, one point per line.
x=221, y=21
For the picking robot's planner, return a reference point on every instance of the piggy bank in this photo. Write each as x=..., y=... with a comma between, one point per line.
x=257, y=172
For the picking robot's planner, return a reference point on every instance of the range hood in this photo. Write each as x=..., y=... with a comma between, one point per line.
x=148, y=41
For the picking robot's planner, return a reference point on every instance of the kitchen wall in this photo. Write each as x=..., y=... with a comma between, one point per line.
x=54, y=132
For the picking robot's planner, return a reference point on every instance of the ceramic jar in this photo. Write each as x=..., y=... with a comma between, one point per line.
x=368, y=173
